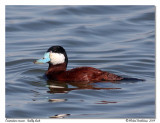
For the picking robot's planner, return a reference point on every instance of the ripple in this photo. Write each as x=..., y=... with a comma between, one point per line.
x=17, y=62
x=106, y=37
x=145, y=16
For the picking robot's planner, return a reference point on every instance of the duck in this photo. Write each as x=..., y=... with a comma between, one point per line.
x=57, y=59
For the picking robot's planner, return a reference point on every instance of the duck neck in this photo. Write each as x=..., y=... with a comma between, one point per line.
x=56, y=68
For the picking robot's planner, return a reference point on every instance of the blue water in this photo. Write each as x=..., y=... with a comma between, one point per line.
x=117, y=39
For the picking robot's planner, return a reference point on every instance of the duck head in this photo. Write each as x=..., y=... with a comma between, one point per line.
x=55, y=55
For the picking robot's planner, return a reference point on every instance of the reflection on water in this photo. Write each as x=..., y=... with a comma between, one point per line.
x=62, y=87
x=117, y=39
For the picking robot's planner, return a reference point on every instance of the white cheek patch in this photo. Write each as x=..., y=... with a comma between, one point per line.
x=56, y=58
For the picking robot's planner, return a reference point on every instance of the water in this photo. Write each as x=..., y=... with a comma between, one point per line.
x=117, y=39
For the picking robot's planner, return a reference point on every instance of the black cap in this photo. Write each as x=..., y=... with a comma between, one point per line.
x=59, y=49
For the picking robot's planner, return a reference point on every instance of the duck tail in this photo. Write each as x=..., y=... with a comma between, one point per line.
x=132, y=79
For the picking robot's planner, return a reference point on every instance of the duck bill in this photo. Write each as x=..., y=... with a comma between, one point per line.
x=43, y=60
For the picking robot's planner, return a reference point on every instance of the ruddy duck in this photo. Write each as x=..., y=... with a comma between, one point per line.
x=57, y=58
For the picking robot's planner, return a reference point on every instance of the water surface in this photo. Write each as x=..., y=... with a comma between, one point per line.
x=117, y=39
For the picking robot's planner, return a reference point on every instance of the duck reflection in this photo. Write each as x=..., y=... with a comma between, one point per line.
x=64, y=87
